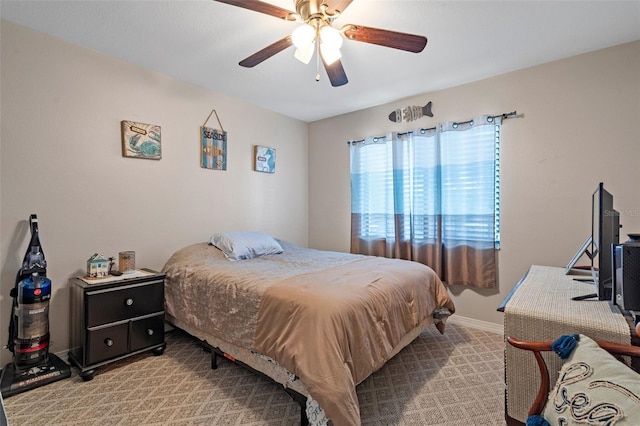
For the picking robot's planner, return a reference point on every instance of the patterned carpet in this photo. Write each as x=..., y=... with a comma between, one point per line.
x=450, y=379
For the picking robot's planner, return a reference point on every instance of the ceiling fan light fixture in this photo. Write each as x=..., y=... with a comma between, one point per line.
x=304, y=54
x=303, y=36
x=329, y=53
x=330, y=43
x=330, y=37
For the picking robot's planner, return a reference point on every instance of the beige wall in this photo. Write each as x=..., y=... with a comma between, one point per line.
x=581, y=125
x=61, y=109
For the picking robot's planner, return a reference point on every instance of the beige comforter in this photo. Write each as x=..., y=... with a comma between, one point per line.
x=330, y=318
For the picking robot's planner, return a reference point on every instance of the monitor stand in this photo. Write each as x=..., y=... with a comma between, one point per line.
x=584, y=250
x=585, y=296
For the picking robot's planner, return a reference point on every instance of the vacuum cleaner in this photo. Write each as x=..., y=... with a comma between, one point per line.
x=32, y=365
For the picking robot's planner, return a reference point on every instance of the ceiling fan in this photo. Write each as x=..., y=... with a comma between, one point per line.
x=317, y=34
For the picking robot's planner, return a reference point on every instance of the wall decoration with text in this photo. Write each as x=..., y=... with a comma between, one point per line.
x=213, y=145
x=265, y=159
x=141, y=140
x=214, y=148
x=411, y=113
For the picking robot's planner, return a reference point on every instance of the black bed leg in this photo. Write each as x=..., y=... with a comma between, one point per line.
x=214, y=360
x=302, y=402
x=299, y=398
x=304, y=420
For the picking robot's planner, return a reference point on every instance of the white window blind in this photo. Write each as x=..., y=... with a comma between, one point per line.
x=428, y=186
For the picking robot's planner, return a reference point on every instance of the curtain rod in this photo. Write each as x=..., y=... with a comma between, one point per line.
x=504, y=116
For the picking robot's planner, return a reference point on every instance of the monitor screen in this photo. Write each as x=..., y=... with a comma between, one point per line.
x=605, y=234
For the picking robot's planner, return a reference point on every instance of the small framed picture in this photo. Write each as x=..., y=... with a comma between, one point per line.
x=265, y=159
x=141, y=140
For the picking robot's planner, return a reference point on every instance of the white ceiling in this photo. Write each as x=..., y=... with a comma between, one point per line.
x=202, y=42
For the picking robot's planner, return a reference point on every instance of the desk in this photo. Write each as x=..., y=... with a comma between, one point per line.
x=540, y=308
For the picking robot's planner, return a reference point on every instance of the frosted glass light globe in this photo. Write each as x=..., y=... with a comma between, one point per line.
x=303, y=36
x=331, y=38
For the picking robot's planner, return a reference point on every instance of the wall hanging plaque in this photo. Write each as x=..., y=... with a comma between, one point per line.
x=265, y=159
x=411, y=113
x=213, y=146
x=141, y=140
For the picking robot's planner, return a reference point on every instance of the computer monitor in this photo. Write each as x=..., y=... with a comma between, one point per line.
x=605, y=235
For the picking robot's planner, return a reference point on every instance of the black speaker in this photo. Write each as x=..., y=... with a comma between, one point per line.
x=626, y=279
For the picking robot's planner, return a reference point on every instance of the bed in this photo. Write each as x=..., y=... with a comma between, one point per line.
x=317, y=322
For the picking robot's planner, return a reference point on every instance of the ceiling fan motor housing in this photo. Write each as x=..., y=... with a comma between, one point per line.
x=308, y=8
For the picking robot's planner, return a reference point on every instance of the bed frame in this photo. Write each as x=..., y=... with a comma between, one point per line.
x=217, y=352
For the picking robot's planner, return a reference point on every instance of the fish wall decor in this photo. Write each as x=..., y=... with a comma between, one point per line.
x=411, y=113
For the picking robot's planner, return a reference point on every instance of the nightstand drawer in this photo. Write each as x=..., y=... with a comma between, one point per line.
x=105, y=306
x=147, y=332
x=106, y=342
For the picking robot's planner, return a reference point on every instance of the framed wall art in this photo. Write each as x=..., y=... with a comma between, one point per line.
x=141, y=140
x=213, y=148
x=265, y=159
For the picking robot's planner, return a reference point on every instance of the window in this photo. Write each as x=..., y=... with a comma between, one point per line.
x=434, y=189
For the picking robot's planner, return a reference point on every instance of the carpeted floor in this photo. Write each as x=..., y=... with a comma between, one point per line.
x=451, y=379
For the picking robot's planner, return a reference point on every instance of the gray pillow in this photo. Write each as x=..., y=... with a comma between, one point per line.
x=245, y=244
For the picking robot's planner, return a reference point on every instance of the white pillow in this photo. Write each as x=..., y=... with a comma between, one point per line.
x=245, y=245
x=593, y=384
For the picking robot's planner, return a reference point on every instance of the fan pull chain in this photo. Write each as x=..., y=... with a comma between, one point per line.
x=317, y=60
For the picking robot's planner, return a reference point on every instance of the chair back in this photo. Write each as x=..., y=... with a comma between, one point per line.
x=616, y=349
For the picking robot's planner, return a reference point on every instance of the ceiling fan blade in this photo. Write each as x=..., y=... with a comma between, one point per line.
x=262, y=7
x=409, y=42
x=267, y=52
x=336, y=5
x=336, y=73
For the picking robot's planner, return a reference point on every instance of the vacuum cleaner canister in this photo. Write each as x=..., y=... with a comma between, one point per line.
x=32, y=364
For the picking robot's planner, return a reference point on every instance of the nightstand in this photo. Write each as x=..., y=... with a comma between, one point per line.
x=115, y=317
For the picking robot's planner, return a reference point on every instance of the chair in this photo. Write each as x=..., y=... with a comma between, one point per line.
x=616, y=349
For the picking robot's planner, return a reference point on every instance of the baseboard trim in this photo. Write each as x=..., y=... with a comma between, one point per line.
x=474, y=323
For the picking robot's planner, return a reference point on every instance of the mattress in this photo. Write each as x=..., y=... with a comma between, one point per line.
x=328, y=318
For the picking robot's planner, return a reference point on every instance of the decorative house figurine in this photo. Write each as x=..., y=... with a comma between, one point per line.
x=97, y=266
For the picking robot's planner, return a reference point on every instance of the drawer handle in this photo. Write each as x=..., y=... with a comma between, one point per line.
x=108, y=342
x=150, y=332
x=129, y=302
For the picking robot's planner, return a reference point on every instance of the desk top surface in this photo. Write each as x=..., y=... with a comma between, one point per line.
x=545, y=294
